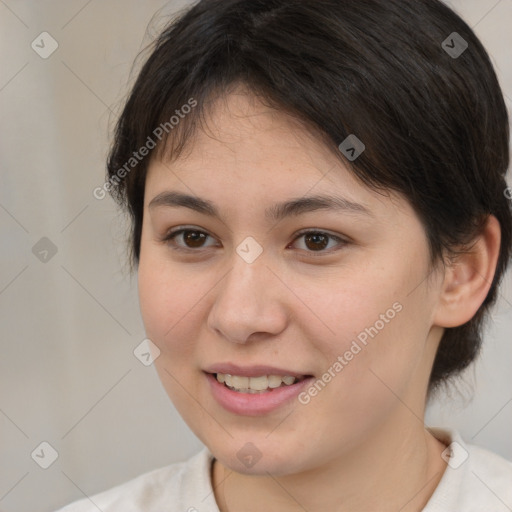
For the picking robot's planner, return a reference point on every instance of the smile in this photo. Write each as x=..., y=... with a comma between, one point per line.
x=240, y=398
x=259, y=384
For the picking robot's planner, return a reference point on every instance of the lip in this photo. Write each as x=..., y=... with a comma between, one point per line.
x=251, y=371
x=247, y=404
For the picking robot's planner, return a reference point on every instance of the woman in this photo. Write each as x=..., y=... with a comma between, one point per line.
x=320, y=223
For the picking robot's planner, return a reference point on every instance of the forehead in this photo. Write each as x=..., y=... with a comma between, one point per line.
x=248, y=150
x=242, y=125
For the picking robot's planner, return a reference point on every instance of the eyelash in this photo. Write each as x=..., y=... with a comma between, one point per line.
x=169, y=240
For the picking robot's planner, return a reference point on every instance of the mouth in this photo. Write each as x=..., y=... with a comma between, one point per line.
x=257, y=384
x=236, y=395
x=255, y=394
x=254, y=390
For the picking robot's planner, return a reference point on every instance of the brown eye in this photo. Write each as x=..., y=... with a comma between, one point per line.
x=317, y=241
x=194, y=238
x=190, y=239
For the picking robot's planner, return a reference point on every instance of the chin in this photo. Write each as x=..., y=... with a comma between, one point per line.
x=259, y=458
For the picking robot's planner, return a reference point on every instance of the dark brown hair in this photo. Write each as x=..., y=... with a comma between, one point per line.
x=434, y=123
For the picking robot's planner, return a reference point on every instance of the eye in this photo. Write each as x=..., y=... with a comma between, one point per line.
x=192, y=238
x=317, y=241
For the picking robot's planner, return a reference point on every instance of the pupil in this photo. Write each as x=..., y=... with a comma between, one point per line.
x=194, y=239
x=315, y=238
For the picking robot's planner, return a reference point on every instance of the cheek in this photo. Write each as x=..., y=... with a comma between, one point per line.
x=172, y=300
x=365, y=366
x=154, y=298
x=165, y=300
x=167, y=308
x=372, y=322
x=348, y=304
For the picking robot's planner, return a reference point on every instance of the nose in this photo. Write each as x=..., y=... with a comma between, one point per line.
x=249, y=301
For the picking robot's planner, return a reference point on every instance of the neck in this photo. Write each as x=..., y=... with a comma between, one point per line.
x=394, y=469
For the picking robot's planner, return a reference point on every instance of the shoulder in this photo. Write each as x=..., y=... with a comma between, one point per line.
x=475, y=478
x=182, y=486
x=491, y=473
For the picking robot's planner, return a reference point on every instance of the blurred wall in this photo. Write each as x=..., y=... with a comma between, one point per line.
x=68, y=307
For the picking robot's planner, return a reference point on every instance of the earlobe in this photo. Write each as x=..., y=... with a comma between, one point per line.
x=469, y=277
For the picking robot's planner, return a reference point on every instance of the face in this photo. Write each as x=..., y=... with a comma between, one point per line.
x=338, y=294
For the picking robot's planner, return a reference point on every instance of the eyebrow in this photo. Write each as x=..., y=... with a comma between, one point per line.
x=277, y=212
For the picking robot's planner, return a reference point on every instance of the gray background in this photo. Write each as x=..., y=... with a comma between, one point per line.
x=69, y=325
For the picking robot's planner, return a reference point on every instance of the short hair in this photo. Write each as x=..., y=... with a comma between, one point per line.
x=428, y=109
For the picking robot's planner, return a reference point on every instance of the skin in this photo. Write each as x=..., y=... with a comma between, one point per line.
x=361, y=443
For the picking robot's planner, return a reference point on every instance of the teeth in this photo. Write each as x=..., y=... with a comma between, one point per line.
x=274, y=381
x=237, y=382
x=258, y=383
x=255, y=384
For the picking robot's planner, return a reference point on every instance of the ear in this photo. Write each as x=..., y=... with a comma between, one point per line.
x=469, y=277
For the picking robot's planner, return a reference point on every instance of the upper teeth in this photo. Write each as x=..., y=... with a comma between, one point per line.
x=255, y=383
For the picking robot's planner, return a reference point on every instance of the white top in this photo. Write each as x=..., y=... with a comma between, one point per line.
x=475, y=480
